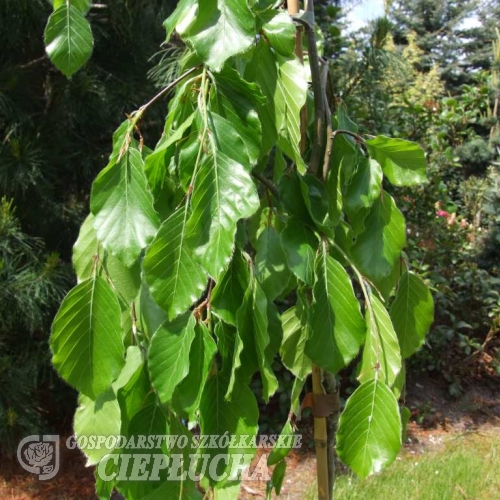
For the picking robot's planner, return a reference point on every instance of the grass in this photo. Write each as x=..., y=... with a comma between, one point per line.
x=466, y=468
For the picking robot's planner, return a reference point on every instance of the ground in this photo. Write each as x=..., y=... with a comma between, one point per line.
x=438, y=424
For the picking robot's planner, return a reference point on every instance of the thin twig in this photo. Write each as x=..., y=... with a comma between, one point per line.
x=319, y=101
x=329, y=128
x=268, y=184
x=359, y=140
x=168, y=88
x=32, y=63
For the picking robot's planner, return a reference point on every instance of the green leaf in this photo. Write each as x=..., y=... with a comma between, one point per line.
x=227, y=295
x=337, y=327
x=150, y=315
x=229, y=140
x=379, y=246
x=270, y=263
x=284, y=83
x=412, y=313
x=279, y=29
x=85, y=250
x=181, y=18
x=283, y=445
x=290, y=189
x=187, y=394
x=403, y=162
x=156, y=163
x=175, y=279
x=344, y=122
x=81, y=5
x=149, y=421
x=294, y=340
x=223, y=194
x=334, y=192
x=134, y=361
x=103, y=489
x=369, y=434
x=125, y=220
x=97, y=418
x=300, y=244
x=135, y=395
x=365, y=186
x=68, y=39
x=317, y=202
x=381, y=354
x=238, y=102
x=278, y=477
x=185, y=490
x=125, y=281
x=253, y=329
x=86, y=338
x=236, y=417
x=169, y=355
x=222, y=29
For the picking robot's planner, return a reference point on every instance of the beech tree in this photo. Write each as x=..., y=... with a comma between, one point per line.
x=261, y=188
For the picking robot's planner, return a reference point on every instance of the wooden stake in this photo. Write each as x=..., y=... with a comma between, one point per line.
x=320, y=426
x=320, y=440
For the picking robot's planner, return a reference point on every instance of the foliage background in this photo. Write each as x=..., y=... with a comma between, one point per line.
x=55, y=136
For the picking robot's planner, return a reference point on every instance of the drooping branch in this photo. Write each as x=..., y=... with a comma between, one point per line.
x=319, y=94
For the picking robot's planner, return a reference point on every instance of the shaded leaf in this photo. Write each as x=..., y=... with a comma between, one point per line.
x=227, y=295
x=97, y=418
x=236, y=417
x=253, y=330
x=238, y=102
x=270, y=263
x=294, y=340
x=169, y=355
x=379, y=246
x=175, y=279
x=365, y=186
x=299, y=244
x=223, y=194
x=187, y=394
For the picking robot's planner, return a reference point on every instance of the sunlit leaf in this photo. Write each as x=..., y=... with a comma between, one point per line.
x=86, y=340
x=403, y=162
x=412, y=313
x=68, y=38
x=369, y=434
